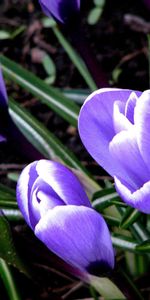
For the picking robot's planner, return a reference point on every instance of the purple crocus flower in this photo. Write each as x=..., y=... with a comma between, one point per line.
x=56, y=207
x=114, y=125
x=61, y=10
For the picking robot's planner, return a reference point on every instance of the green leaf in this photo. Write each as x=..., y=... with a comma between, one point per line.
x=7, y=193
x=37, y=87
x=49, y=67
x=76, y=95
x=124, y=242
x=115, y=74
x=130, y=216
x=7, y=198
x=94, y=15
x=106, y=288
x=13, y=176
x=144, y=247
x=48, y=22
x=75, y=58
x=99, y=2
x=12, y=214
x=8, y=280
x=113, y=221
x=105, y=198
x=137, y=229
x=130, y=284
x=6, y=189
x=41, y=138
x=90, y=186
x=4, y=35
x=7, y=247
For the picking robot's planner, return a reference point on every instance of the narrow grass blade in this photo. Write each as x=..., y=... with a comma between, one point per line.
x=8, y=280
x=105, y=198
x=130, y=216
x=41, y=138
x=124, y=243
x=37, y=87
x=144, y=247
x=75, y=58
x=12, y=215
x=7, y=248
x=106, y=288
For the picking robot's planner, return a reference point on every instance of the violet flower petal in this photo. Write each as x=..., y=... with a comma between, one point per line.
x=142, y=124
x=130, y=106
x=96, y=125
x=3, y=93
x=42, y=198
x=138, y=199
x=78, y=235
x=63, y=182
x=24, y=187
x=2, y=139
x=125, y=150
x=62, y=10
x=119, y=119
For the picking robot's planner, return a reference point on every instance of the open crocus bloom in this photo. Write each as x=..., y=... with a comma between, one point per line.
x=114, y=126
x=61, y=10
x=56, y=207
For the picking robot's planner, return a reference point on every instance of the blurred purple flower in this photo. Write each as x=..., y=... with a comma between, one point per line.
x=8, y=129
x=3, y=108
x=61, y=10
x=3, y=93
x=114, y=126
x=55, y=206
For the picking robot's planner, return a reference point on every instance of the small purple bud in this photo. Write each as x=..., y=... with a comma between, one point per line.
x=114, y=126
x=64, y=11
x=54, y=204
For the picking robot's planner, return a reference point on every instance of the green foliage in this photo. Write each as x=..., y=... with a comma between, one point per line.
x=96, y=12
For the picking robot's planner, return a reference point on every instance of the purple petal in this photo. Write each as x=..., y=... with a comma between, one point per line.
x=120, y=120
x=61, y=10
x=24, y=186
x=130, y=106
x=142, y=123
x=2, y=139
x=42, y=198
x=124, y=149
x=139, y=199
x=78, y=235
x=96, y=125
x=3, y=93
x=65, y=184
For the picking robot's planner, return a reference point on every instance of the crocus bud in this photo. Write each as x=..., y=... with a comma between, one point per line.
x=55, y=206
x=63, y=11
x=114, y=126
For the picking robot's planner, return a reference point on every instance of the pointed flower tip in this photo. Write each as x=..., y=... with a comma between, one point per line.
x=55, y=206
x=114, y=126
x=61, y=10
x=3, y=93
